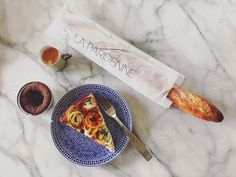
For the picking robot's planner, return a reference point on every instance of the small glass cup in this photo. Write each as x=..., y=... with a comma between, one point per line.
x=51, y=57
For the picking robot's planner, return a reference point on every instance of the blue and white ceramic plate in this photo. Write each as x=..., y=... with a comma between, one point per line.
x=80, y=149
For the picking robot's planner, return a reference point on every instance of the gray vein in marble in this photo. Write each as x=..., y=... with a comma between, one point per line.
x=61, y=79
x=161, y=24
x=210, y=165
x=225, y=15
x=162, y=5
x=21, y=160
x=204, y=39
x=21, y=48
x=211, y=154
x=153, y=36
x=60, y=76
x=230, y=2
x=92, y=75
x=6, y=42
x=141, y=3
x=6, y=98
x=218, y=159
x=206, y=76
x=126, y=4
x=117, y=171
x=126, y=17
x=190, y=130
x=28, y=165
x=64, y=81
x=165, y=165
x=227, y=156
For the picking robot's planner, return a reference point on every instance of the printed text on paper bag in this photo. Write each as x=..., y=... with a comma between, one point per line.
x=105, y=54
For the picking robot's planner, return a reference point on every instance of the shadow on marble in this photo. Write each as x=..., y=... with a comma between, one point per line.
x=3, y=40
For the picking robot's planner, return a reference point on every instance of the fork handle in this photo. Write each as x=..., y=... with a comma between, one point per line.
x=138, y=144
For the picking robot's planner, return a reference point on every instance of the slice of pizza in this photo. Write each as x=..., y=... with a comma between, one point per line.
x=85, y=117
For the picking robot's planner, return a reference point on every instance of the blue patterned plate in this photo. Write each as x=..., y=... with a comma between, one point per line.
x=80, y=149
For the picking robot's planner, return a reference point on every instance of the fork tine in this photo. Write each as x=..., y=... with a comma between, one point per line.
x=99, y=101
x=106, y=101
x=102, y=102
x=102, y=106
x=107, y=105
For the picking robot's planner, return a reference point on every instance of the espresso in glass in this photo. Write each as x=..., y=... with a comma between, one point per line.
x=50, y=56
x=53, y=58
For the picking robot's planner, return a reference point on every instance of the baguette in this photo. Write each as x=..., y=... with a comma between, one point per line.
x=194, y=105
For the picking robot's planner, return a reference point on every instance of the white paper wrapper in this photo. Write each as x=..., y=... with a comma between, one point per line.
x=140, y=71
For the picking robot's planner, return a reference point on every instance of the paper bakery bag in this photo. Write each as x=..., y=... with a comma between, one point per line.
x=140, y=71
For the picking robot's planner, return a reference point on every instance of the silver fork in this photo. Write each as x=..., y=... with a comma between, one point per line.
x=111, y=112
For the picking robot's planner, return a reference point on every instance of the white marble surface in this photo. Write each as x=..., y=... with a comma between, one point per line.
x=194, y=37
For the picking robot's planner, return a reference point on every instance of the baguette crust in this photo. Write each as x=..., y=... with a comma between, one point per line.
x=194, y=105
